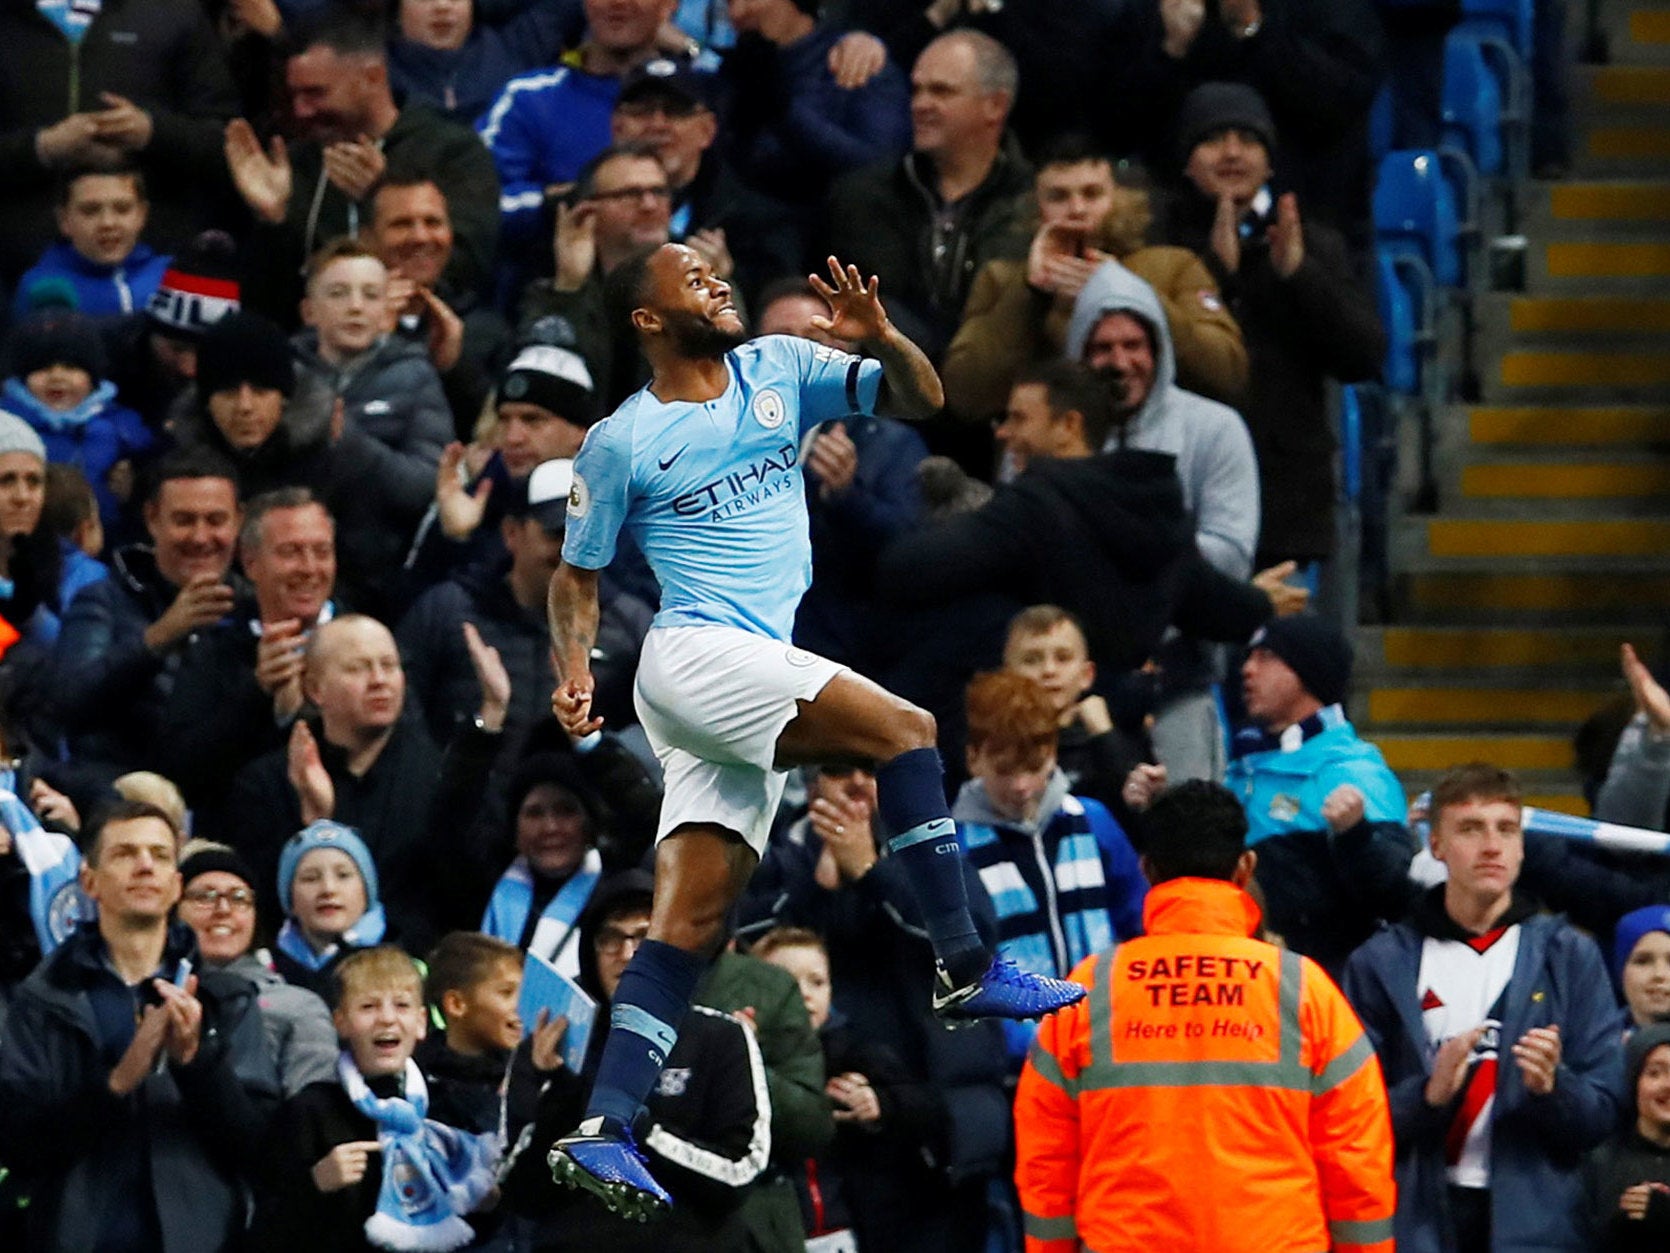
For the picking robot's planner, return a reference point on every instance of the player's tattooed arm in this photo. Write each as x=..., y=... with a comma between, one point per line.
x=573, y=613
x=856, y=314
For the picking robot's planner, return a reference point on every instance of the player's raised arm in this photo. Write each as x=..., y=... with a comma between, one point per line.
x=856, y=314
x=573, y=613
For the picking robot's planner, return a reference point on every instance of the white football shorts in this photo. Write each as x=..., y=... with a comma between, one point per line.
x=713, y=700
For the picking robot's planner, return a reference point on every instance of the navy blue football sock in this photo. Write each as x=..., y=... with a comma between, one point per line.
x=649, y=1003
x=910, y=793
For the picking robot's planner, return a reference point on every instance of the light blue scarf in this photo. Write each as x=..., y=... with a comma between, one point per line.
x=363, y=934
x=432, y=1174
x=58, y=421
x=54, y=865
x=507, y=913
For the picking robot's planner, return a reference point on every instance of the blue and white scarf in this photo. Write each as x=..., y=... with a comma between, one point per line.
x=507, y=912
x=38, y=414
x=432, y=1174
x=55, y=901
x=363, y=934
x=1255, y=739
x=1075, y=880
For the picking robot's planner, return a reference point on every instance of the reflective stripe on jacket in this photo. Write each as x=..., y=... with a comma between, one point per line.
x=1212, y=1092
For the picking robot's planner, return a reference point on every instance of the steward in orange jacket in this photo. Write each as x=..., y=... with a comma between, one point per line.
x=1213, y=1092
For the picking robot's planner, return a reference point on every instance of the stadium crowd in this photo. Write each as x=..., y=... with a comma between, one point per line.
x=309, y=314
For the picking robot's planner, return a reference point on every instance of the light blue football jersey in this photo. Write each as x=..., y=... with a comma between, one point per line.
x=712, y=492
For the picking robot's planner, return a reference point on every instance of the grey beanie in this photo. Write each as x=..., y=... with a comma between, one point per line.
x=16, y=435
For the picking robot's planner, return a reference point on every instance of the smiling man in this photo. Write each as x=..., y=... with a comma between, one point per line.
x=124, y=636
x=702, y=469
x=126, y=1078
x=1498, y=1036
x=236, y=694
x=363, y=762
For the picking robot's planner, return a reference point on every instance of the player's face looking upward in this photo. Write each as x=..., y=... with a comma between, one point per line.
x=691, y=305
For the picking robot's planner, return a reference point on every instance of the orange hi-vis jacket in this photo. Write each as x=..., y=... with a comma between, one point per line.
x=1213, y=1093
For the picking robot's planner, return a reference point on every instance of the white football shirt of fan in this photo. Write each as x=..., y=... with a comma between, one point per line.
x=1461, y=985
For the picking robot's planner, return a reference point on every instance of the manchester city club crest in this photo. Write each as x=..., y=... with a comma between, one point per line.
x=768, y=409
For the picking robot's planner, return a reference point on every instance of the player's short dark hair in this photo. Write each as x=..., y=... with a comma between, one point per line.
x=464, y=959
x=188, y=463
x=1475, y=781
x=92, y=837
x=1071, y=386
x=1196, y=830
x=627, y=288
x=69, y=499
x=65, y=183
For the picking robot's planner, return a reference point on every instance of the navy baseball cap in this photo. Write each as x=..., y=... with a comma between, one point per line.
x=664, y=78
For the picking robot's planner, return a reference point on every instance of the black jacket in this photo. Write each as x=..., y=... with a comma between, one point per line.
x=882, y=219
x=422, y=143
x=162, y=55
x=438, y=665
x=1318, y=324
x=108, y=689
x=1104, y=536
x=390, y=806
x=193, y=1130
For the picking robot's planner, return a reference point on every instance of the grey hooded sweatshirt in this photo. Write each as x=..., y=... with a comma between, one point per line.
x=1214, y=452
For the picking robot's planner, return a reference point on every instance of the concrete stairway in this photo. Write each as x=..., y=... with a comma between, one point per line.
x=1551, y=544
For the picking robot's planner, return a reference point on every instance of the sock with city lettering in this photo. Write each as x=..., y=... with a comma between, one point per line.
x=649, y=1003
x=910, y=793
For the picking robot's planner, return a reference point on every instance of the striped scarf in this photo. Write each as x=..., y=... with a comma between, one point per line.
x=1075, y=889
x=507, y=912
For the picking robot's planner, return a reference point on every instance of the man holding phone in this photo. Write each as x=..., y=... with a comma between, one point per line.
x=126, y=1079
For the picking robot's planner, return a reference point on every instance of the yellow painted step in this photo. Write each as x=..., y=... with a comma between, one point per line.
x=1592, y=260
x=1559, y=706
x=1538, y=593
x=1650, y=26
x=1580, y=315
x=1623, y=143
x=1440, y=752
x=1631, y=202
x=1479, y=537
x=1565, y=482
x=1488, y=647
x=1601, y=424
x=1632, y=84
x=1583, y=369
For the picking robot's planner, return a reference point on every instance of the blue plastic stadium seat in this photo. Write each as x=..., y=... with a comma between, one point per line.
x=1399, y=314
x=1415, y=211
x=1512, y=20
x=1473, y=105
x=1380, y=123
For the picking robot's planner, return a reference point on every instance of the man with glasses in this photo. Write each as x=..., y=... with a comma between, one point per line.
x=620, y=205
x=748, y=238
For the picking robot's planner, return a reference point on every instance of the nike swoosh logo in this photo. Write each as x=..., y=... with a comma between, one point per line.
x=668, y=463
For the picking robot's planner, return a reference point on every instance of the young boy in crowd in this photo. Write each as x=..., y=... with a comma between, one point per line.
x=356, y=1163
x=1062, y=877
x=58, y=386
x=1047, y=645
x=100, y=215
x=387, y=385
x=474, y=981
